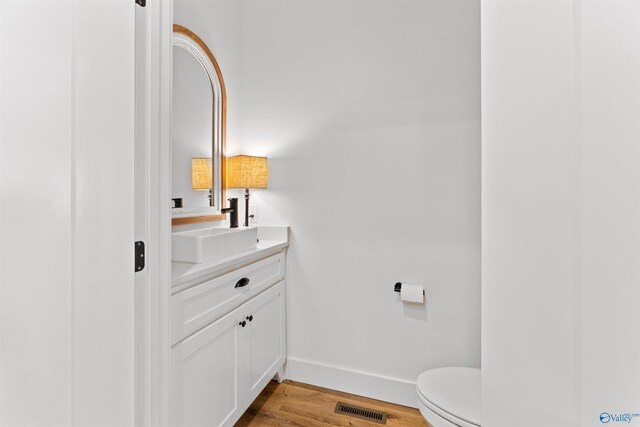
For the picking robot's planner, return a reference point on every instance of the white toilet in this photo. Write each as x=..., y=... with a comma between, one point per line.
x=449, y=397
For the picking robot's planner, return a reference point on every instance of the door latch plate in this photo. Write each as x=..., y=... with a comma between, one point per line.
x=139, y=255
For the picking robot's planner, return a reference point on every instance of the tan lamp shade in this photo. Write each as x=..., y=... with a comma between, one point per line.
x=247, y=172
x=201, y=175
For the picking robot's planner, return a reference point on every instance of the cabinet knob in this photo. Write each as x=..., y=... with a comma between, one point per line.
x=243, y=323
x=242, y=282
x=250, y=318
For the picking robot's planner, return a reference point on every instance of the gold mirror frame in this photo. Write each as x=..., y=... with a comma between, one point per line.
x=223, y=131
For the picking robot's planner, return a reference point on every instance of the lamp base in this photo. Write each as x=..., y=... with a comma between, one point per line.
x=246, y=207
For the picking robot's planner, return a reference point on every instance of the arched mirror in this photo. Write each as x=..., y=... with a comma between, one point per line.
x=199, y=127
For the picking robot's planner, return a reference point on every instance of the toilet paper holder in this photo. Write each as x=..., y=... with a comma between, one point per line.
x=398, y=287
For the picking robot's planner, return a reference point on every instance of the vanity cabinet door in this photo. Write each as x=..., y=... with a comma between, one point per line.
x=265, y=316
x=207, y=383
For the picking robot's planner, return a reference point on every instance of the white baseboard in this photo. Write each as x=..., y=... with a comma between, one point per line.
x=388, y=389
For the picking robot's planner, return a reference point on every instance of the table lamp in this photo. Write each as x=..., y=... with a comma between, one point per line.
x=247, y=172
x=202, y=176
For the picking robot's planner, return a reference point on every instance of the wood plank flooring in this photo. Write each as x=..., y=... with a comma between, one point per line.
x=303, y=405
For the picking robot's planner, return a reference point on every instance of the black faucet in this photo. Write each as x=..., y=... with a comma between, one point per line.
x=233, y=210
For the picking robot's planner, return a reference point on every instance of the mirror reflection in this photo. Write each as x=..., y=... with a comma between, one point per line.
x=192, y=147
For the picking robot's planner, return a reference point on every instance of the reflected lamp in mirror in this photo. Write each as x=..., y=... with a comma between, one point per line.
x=247, y=172
x=202, y=176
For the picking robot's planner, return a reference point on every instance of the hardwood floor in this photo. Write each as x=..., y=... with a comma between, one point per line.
x=303, y=405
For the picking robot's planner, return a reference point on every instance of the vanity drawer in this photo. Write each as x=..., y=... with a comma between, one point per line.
x=203, y=303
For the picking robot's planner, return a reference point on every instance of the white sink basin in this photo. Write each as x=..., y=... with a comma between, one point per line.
x=210, y=244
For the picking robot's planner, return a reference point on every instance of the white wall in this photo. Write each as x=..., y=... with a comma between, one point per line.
x=66, y=214
x=369, y=114
x=561, y=212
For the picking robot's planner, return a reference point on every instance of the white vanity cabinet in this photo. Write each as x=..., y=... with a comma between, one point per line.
x=229, y=342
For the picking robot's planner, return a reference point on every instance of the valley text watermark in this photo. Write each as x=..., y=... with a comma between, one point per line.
x=627, y=417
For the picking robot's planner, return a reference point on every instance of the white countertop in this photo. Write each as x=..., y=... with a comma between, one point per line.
x=271, y=240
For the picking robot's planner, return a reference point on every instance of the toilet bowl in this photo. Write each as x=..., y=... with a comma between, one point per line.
x=449, y=397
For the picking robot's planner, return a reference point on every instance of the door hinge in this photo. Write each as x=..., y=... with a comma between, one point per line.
x=139, y=255
x=141, y=3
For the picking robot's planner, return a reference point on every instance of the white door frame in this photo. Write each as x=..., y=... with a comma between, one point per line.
x=154, y=32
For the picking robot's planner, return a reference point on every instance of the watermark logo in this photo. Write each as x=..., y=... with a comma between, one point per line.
x=626, y=417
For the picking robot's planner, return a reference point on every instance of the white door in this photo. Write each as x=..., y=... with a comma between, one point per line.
x=66, y=213
x=265, y=354
x=206, y=375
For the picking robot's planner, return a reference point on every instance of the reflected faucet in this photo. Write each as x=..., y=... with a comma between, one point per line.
x=233, y=210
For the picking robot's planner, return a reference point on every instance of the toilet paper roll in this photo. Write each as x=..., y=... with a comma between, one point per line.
x=412, y=293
